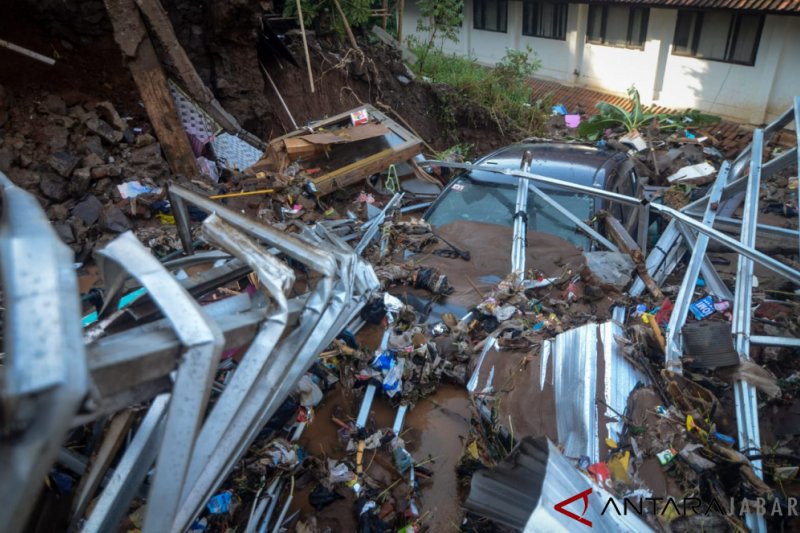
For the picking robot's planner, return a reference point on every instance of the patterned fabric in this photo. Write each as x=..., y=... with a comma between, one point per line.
x=234, y=153
x=194, y=121
x=231, y=152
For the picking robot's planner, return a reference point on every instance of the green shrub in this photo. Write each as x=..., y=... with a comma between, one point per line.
x=504, y=90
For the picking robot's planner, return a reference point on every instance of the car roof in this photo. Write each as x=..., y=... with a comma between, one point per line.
x=585, y=165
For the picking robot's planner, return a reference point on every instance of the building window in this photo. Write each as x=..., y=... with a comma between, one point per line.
x=544, y=19
x=491, y=15
x=617, y=26
x=718, y=35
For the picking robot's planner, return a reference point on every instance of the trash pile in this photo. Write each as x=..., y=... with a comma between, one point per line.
x=284, y=343
x=95, y=172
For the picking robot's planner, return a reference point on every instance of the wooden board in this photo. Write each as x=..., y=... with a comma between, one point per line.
x=131, y=35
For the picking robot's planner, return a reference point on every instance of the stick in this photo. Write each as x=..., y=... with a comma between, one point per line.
x=29, y=53
x=280, y=98
x=305, y=45
x=347, y=28
x=400, y=10
x=237, y=194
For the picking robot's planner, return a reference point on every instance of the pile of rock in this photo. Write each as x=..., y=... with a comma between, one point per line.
x=72, y=156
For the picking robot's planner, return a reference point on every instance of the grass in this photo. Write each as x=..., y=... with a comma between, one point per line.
x=504, y=91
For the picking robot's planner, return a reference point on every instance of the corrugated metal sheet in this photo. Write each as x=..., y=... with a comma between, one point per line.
x=620, y=376
x=575, y=380
x=523, y=490
x=765, y=6
x=574, y=356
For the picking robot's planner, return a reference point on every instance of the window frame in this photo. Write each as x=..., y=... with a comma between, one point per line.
x=601, y=41
x=560, y=5
x=482, y=4
x=733, y=29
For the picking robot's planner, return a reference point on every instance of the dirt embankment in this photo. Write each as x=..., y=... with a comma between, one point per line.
x=220, y=38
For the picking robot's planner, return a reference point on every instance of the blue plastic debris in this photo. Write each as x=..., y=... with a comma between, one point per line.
x=724, y=439
x=700, y=282
x=62, y=482
x=702, y=308
x=559, y=109
x=220, y=504
x=199, y=525
x=383, y=361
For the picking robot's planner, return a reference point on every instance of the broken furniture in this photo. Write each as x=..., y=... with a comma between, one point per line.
x=336, y=153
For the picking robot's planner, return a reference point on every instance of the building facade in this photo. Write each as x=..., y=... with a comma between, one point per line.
x=742, y=64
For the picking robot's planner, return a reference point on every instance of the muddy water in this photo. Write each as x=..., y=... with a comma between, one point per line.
x=438, y=425
x=433, y=429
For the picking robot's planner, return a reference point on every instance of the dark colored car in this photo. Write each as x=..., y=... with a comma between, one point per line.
x=490, y=197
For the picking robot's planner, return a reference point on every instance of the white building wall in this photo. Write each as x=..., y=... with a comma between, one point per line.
x=737, y=91
x=556, y=56
x=614, y=69
x=786, y=84
x=750, y=94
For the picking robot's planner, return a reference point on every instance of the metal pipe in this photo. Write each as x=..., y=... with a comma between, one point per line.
x=744, y=393
x=583, y=226
x=749, y=252
x=674, y=342
x=615, y=197
x=766, y=340
x=519, y=243
x=29, y=53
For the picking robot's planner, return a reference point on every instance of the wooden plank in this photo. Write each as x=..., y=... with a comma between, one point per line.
x=617, y=233
x=190, y=81
x=360, y=170
x=131, y=35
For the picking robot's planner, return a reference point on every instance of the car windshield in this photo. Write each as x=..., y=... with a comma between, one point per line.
x=481, y=201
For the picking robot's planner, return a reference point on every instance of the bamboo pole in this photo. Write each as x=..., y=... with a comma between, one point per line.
x=400, y=9
x=305, y=44
x=385, y=13
x=347, y=27
x=29, y=53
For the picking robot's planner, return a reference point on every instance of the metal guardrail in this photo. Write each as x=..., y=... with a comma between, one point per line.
x=55, y=378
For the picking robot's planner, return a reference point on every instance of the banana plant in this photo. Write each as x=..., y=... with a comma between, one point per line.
x=613, y=116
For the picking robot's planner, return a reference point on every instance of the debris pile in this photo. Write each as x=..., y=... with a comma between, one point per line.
x=282, y=342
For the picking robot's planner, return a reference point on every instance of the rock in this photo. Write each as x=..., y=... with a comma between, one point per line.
x=88, y=210
x=610, y=268
x=78, y=112
x=54, y=187
x=114, y=220
x=106, y=132
x=79, y=229
x=63, y=163
x=128, y=136
x=55, y=136
x=81, y=179
x=403, y=80
x=106, y=171
x=26, y=179
x=108, y=113
x=92, y=160
x=65, y=121
x=7, y=158
x=94, y=145
x=149, y=155
x=53, y=104
x=103, y=186
x=58, y=212
x=64, y=231
x=145, y=139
